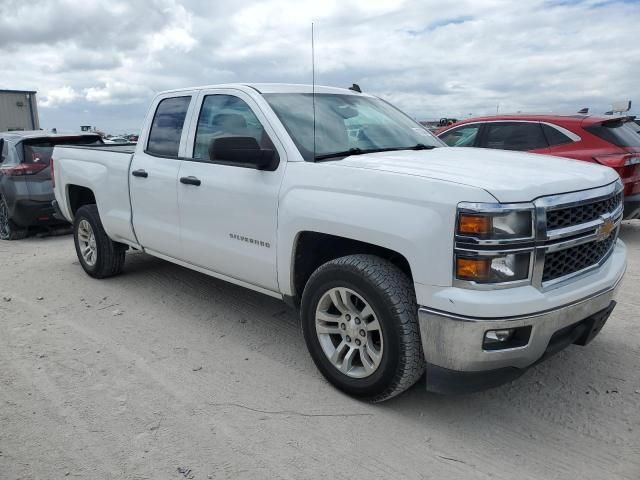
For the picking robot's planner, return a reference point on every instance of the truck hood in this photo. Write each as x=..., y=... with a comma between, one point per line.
x=508, y=176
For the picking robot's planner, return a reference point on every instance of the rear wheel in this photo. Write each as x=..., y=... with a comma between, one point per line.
x=359, y=318
x=8, y=229
x=99, y=256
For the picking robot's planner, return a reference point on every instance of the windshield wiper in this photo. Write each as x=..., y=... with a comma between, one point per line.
x=420, y=146
x=344, y=153
x=360, y=151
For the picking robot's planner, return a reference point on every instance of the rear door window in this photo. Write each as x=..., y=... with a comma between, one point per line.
x=618, y=132
x=463, y=136
x=555, y=136
x=166, y=129
x=521, y=136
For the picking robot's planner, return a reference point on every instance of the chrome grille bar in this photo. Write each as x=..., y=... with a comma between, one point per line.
x=580, y=237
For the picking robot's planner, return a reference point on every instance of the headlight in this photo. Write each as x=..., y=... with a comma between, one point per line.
x=498, y=225
x=493, y=269
x=494, y=244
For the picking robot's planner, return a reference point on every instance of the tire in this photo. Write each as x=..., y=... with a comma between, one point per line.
x=107, y=256
x=363, y=280
x=8, y=229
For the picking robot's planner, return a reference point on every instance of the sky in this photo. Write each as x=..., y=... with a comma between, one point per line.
x=100, y=62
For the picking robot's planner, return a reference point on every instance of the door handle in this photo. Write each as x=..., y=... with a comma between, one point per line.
x=140, y=173
x=190, y=181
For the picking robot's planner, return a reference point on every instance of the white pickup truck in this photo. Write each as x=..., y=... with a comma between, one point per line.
x=402, y=254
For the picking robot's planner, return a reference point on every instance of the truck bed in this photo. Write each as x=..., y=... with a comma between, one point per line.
x=103, y=170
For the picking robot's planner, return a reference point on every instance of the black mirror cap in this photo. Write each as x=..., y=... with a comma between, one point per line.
x=243, y=151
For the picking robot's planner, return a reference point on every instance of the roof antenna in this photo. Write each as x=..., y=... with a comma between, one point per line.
x=313, y=90
x=356, y=88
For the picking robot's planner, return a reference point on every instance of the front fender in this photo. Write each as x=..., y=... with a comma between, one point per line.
x=410, y=215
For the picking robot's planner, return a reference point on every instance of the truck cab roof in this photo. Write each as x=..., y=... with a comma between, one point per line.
x=275, y=88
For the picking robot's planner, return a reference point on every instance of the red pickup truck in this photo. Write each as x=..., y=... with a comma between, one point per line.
x=609, y=140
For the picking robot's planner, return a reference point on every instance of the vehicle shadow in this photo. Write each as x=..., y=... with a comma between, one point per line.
x=204, y=291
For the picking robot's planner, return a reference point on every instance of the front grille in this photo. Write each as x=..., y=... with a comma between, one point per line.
x=568, y=217
x=572, y=260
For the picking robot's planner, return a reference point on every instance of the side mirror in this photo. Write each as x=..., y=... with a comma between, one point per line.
x=242, y=151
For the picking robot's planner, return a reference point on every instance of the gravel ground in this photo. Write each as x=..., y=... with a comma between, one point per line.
x=166, y=373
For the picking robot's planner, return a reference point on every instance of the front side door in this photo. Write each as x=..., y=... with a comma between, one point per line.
x=228, y=208
x=462, y=136
x=154, y=177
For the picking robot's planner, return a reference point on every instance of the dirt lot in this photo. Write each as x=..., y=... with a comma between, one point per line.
x=166, y=373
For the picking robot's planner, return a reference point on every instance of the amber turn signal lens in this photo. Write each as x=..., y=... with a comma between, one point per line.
x=474, y=224
x=475, y=269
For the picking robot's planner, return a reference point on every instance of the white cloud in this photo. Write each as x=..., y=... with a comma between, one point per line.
x=432, y=58
x=115, y=92
x=176, y=34
x=58, y=96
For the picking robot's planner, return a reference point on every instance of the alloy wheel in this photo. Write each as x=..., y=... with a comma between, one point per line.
x=349, y=332
x=87, y=242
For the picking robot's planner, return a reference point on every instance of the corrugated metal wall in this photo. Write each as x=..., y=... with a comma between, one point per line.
x=18, y=111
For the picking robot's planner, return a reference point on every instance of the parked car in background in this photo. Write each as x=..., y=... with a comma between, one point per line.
x=119, y=140
x=610, y=141
x=401, y=255
x=25, y=179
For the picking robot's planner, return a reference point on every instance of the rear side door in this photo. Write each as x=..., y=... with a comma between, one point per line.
x=229, y=219
x=565, y=143
x=154, y=175
x=519, y=136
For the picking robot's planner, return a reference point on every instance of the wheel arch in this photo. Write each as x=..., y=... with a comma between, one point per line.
x=78, y=196
x=312, y=249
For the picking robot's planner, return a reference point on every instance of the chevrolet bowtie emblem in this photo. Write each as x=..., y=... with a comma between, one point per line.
x=606, y=228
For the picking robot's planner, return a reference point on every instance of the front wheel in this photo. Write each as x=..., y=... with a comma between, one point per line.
x=359, y=319
x=99, y=256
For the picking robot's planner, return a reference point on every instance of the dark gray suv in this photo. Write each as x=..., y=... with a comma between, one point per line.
x=25, y=179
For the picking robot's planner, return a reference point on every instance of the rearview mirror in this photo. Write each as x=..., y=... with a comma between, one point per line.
x=243, y=151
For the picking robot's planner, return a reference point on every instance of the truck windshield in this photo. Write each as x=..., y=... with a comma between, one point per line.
x=346, y=125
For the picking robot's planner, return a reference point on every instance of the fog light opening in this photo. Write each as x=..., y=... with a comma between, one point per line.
x=498, y=336
x=506, y=338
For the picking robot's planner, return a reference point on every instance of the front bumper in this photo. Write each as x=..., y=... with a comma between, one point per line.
x=457, y=362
